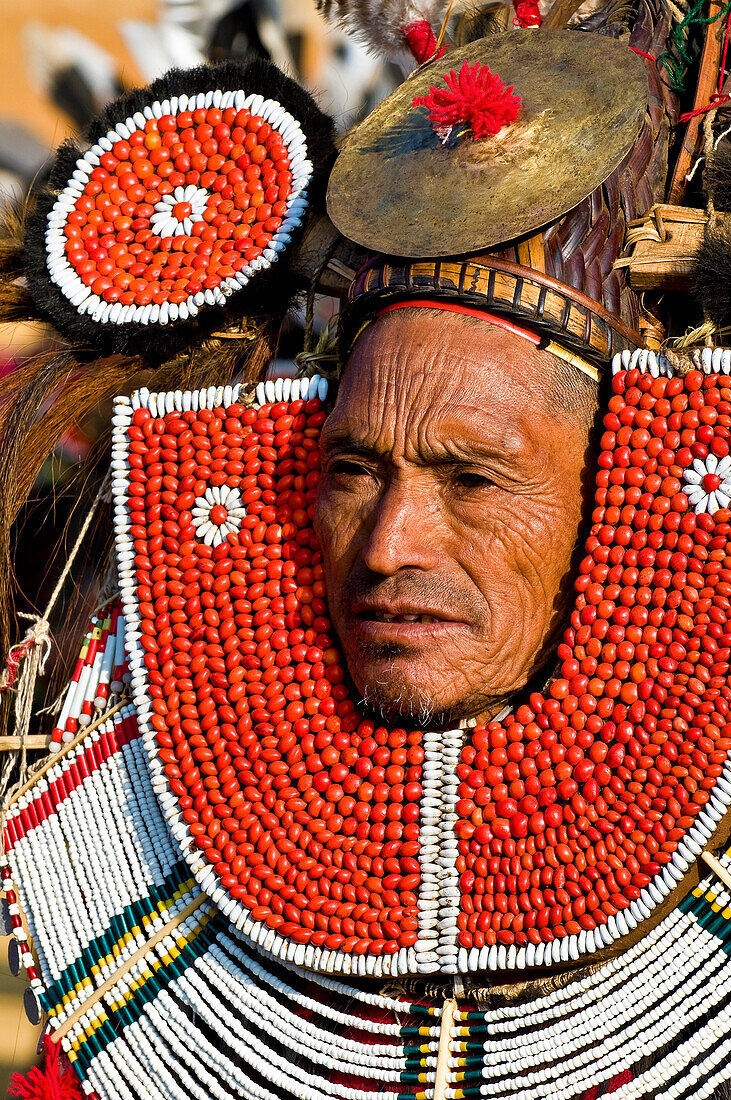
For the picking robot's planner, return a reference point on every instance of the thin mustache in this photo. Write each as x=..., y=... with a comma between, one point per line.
x=412, y=591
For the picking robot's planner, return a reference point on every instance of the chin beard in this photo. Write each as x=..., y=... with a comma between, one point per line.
x=394, y=700
x=393, y=703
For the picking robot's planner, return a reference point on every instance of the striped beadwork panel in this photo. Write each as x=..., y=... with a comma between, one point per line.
x=201, y=1014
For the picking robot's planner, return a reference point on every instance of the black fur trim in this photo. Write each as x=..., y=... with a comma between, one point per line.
x=717, y=177
x=711, y=276
x=270, y=291
x=481, y=21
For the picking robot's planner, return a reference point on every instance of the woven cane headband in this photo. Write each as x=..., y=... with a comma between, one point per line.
x=499, y=286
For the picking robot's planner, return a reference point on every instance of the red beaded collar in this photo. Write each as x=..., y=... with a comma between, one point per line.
x=540, y=839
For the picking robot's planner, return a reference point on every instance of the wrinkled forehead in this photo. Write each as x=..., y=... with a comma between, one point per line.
x=423, y=372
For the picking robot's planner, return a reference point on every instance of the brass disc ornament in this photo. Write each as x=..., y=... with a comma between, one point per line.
x=397, y=188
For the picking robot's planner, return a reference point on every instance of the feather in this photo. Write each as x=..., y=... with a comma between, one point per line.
x=379, y=24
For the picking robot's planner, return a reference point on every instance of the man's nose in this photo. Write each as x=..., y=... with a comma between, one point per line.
x=403, y=531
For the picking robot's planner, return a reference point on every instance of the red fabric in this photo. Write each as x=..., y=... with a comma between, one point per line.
x=353, y=1081
x=421, y=40
x=622, y=1078
x=475, y=96
x=457, y=307
x=615, y=1083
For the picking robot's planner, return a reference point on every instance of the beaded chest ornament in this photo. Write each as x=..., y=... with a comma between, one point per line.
x=350, y=847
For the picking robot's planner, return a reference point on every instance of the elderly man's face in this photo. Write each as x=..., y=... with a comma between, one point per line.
x=448, y=511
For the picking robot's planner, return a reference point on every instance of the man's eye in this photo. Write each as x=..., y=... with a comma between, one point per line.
x=346, y=468
x=470, y=480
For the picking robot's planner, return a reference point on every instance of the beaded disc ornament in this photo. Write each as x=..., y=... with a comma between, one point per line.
x=186, y=191
x=342, y=845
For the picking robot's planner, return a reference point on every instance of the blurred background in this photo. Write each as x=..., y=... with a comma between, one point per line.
x=62, y=61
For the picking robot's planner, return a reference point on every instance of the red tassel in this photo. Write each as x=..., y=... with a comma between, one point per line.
x=421, y=40
x=49, y=1083
x=527, y=13
x=476, y=97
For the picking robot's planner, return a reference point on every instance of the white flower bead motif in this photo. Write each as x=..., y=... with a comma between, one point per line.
x=217, y=513
x=708, y=483
x=175, y=213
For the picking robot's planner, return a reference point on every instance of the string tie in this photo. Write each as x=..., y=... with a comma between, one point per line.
x=421, y=40
x=717, y=100
x=37, y=635
x=647, y=56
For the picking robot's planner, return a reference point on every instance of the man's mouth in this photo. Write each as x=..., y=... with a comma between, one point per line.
x=385, y=617
x=405, y=621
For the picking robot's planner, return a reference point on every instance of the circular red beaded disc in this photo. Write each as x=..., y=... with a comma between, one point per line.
x=574, y=816
x=176, y=209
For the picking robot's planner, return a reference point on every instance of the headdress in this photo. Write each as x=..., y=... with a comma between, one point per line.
x=224, y=858
x=532, y=219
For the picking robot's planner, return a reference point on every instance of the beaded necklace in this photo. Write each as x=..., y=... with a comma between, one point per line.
x=536, y=840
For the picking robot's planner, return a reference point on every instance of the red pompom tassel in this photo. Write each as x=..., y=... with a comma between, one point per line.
x=49, y=1083
x=476, y=97
x=421, y=40
x=527, y=13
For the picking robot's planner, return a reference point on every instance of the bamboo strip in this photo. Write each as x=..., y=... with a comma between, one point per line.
x=96, y=996
x=718, y=868
x=441, y=1082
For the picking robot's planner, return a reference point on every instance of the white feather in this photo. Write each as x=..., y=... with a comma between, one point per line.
x=378, y=24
